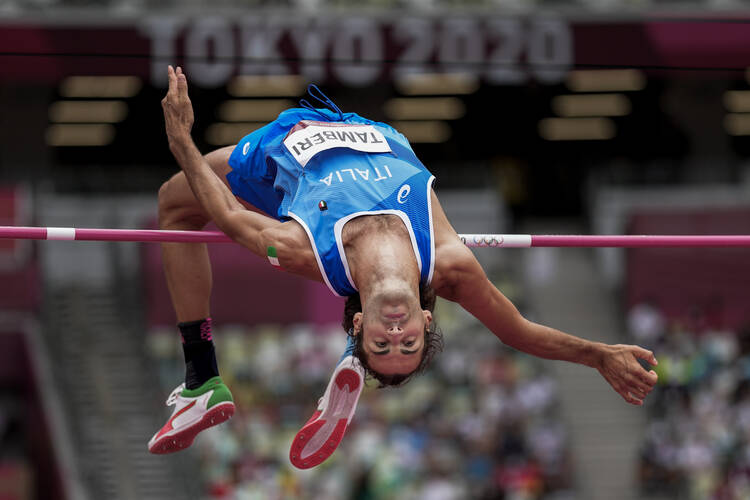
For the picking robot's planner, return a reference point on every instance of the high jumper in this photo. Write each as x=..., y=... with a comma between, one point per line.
x=340, y=199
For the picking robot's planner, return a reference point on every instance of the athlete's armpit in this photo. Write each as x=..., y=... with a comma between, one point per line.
x=454, y=262
x=457, y=272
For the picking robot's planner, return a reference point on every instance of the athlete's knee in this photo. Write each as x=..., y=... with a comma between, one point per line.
x=178, y=207
x=168, y=193
x=218, y=160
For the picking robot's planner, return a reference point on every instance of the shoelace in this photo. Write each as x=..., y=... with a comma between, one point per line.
x=321, y=98
x=172, y=399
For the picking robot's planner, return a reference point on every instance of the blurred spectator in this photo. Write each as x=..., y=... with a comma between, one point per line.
x=646, y=324
x=697, y=444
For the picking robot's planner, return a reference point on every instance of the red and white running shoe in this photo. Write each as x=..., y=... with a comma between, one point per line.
x=195, y=410
x=322, y=434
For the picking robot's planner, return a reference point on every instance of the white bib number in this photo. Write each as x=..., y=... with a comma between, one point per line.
x=309, y=138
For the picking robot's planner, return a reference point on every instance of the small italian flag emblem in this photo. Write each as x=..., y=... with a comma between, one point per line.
x=272, y=257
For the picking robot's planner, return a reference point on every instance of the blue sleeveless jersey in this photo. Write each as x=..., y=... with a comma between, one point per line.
x=323, y=169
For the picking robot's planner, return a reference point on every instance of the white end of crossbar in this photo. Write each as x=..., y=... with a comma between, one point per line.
x=516, y=240
x=61, y=233
x=497, y=240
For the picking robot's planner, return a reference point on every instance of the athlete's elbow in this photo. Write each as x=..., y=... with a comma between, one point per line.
x=267, y=239
x=275, y=241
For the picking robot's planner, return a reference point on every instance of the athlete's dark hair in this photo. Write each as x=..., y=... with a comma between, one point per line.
x=433, y=339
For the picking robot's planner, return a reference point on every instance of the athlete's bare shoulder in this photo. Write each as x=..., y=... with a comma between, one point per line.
x=454, y=262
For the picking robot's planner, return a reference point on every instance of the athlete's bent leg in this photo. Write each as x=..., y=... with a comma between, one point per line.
x=186, y=265
x=203, y=400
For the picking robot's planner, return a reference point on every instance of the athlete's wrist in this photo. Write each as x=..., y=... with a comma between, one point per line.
x=179, y=142
x=593, y=354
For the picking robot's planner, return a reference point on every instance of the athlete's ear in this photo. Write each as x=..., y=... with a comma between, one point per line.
x=357, y=322
x=427, y=318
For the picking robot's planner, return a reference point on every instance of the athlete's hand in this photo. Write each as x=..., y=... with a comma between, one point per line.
x=620, y=367
x=178, y=110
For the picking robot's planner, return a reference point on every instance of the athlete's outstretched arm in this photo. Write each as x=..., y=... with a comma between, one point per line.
x=618, y=364
x=217, y=200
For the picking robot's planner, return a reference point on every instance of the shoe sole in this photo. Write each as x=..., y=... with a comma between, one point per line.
x=185, y=437
x=325, y=433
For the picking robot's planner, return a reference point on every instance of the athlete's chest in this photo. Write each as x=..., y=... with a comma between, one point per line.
x=367, y=229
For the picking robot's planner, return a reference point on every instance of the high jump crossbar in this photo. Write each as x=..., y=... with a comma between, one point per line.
x=471, y=240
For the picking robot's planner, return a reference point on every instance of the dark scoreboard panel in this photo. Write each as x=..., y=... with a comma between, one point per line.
x=521, y=65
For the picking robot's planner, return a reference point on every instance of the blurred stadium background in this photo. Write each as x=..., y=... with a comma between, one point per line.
x=541, y=116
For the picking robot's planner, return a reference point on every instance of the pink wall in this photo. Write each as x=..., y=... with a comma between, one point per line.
x=707, y=286
x=247, y=289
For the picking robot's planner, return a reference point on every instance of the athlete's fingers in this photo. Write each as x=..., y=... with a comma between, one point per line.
x=645, y=355
x=632, y=399
x=629, y=396
x=637, y=385
x=628, y=393
x=172, y=80
x=622, y=390
x=647, y=377
x=638, y=392
x=182, y=87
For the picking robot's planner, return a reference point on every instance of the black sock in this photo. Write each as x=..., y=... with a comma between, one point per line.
x=200, y=356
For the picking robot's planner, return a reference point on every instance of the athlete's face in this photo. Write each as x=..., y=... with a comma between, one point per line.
x=393, y=338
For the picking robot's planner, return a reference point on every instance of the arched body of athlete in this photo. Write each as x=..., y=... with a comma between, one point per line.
x=382, y=262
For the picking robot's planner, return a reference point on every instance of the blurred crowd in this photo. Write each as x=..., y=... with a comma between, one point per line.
x=697, y=444
x=480, y=424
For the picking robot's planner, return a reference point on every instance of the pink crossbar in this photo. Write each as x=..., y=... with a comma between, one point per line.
x=471, y=240
x=91, y=234
x=641, y=241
